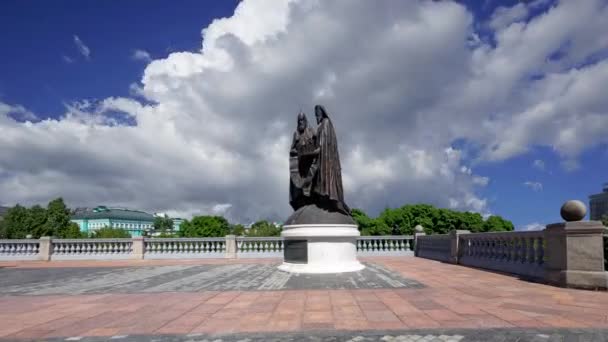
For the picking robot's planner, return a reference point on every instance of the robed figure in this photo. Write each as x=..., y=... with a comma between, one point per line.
x=315, y=171
x=327, y=191
x=302, y=155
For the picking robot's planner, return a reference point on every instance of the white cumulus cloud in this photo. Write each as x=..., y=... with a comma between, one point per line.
x=141, y=55
x=82, y=48
x=535, y=186
x=208, y=131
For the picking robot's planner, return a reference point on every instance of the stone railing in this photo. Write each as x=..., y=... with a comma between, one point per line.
x=86, y=249
x=521, y=253
x=391, y=245
x=180, y=248
x=606, y=249
x=25, y=249
x=436, y=247
x=184, y=248
x=568, y=254
x=259, y=247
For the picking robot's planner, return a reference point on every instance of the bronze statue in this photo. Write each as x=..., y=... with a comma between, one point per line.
x=315, y=173
x=301, y=157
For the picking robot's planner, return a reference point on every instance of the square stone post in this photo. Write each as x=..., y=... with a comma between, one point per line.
x=575, y=255
x=454, y=234
x=416, y=248
x=231, y=246
x=138, y=248
x=45, y=249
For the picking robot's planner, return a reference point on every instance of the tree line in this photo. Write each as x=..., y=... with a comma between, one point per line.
x=403, y=220
x=54, y=220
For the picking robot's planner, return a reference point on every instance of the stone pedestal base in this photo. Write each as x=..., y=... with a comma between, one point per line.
x=320, y=248
x=578, y=279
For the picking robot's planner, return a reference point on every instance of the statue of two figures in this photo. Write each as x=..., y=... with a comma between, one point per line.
x=315, y=191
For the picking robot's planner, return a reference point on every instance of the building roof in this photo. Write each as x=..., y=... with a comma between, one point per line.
x=103, y=212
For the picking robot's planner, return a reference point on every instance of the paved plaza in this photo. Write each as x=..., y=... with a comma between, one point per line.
x=393, y=299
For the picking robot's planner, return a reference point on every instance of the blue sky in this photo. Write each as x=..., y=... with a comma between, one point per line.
x=78, y=58
x=38, y=34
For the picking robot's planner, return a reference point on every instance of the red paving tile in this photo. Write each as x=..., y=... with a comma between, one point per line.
x=454, y=297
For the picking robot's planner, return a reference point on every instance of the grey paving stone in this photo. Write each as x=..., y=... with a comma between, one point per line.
x=188, y=278
x=520, y=335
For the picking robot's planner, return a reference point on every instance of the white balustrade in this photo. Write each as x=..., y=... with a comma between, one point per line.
x=388, y=245
x=521, y=253
x=19, y=249
x=89, y=249
x=184, y=248
x=259, y=247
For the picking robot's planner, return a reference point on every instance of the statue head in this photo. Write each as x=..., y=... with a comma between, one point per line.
x=302, y=122
x=320, y=113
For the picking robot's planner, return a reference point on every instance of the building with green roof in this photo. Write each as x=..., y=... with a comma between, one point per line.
x=133, y=221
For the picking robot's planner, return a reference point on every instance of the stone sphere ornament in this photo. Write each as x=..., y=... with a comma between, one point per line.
x=573, y=210
x=419, y=229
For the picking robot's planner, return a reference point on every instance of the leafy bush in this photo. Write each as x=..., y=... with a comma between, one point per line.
x=264, y=228
x=204, y=226
x=403, y=220
x=110, y=233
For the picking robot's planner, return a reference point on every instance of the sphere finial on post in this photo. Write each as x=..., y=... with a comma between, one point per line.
x=573, y=210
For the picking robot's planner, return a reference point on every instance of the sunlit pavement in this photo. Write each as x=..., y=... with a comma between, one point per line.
x=400, y=299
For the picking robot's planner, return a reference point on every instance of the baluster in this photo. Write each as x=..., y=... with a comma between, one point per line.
x=540, y=251
x=531, y=254
x=523, y=249
x=516, y=248
x=488, y=248
x=408, y=246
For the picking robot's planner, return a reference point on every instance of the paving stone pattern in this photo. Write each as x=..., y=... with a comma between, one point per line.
x=490, y=335
x=168, y=301
x=189, y=278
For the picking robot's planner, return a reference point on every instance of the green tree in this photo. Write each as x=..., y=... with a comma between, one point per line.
x=72, y=231
x=605, y=220
x=471, y=221
x=204, y=226
x=36, y=222
x=369, y=226
x=496, y=223
x=15, y=222
x=3, y=233
x=58, y=219
x=162, y=224
x=237, y=229
x=264, y=228
x=110, y=233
